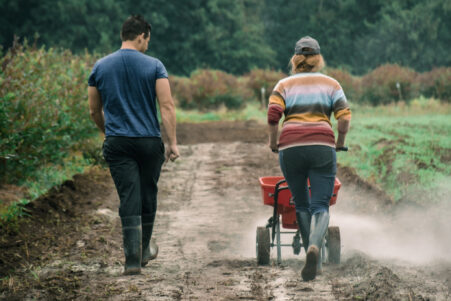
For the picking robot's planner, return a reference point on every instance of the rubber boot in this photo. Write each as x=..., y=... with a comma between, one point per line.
x=132, y=236
x=149, y=247
x=318, y=228
x=304, y=218
x=319, y=266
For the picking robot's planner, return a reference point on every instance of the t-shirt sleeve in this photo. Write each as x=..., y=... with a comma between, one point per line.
x=92, y=77
x=161, y=71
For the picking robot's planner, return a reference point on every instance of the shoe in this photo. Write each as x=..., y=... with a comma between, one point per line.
x=132, y=237
x=318, y=228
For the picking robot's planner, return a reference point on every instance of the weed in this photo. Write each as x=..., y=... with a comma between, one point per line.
x=10, y=218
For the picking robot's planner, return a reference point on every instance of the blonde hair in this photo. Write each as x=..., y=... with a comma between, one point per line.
x=306, y=63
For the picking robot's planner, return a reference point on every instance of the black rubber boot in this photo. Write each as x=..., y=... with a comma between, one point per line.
x=149, y=247
x=132, y=236
x=304, y=218
x=318, y=228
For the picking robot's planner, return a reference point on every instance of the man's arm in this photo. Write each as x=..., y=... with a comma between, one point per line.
x=95, y=108
x=167, y=110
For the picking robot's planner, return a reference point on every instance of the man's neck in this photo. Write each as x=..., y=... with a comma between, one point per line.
x=129, y=45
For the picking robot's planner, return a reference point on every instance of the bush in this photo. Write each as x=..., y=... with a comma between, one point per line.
x=349, y=83
x=209, y=89
x=381, y=85
x=181, y=91
x=44, y=108
x=259, y=78
x=436, y=83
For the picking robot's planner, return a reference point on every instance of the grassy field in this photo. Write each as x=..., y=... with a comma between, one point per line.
x=404, y=149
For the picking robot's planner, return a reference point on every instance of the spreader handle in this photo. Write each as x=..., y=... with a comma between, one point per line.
x=342, y=149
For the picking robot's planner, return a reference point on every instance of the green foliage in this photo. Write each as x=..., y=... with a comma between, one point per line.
x=44, y=110
x=239, y=36
x=91, y=150
x=46, y=177
x=362, y=35
x=408, y=33
x=69, y=24
x=10, y=216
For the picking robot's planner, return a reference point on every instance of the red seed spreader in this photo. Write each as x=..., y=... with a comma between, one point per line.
x=275, y=193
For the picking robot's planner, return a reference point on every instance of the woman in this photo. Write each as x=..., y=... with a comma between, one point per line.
x=307, y=142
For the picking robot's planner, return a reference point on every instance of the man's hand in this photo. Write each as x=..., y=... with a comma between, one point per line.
x=172, y=153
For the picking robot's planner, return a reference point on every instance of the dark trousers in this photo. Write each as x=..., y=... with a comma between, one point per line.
x=135, y=165
x=318, y=164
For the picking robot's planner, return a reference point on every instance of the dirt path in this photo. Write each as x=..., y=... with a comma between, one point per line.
x=209, y=208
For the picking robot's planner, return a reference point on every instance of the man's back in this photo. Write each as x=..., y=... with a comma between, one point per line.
x=126, y=80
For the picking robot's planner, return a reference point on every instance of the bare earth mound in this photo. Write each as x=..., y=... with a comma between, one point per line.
x=209, y=208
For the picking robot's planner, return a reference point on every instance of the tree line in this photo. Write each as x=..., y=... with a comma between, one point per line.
x=241, y=35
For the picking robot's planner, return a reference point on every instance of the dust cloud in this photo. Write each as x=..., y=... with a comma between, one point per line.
x=411, y=234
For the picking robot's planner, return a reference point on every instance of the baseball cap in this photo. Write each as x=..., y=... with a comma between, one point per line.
x=307, y=42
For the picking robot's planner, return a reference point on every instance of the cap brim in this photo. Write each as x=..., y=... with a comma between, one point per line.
x=307, y=52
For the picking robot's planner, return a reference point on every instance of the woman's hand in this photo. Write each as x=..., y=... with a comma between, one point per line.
x=273, y=146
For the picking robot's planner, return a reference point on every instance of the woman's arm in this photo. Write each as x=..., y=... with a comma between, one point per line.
x=343, y=128
x=273, y=130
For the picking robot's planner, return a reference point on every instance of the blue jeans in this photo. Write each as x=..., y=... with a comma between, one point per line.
x=318, y=163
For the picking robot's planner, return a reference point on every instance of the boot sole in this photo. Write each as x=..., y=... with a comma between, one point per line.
x=309, y=271
x=152, y=257
x=132, y=271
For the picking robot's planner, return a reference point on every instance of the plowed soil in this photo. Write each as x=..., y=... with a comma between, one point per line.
x=210, y=205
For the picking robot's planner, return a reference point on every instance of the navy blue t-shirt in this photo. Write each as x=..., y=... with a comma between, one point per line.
x=126, y=82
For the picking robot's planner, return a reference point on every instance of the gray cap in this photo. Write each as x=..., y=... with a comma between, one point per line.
x=307, y=42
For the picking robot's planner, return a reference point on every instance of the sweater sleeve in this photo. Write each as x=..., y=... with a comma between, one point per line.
x=276, y=105
x=340, y=104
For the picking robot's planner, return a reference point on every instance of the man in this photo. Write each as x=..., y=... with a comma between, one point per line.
x=123, y=89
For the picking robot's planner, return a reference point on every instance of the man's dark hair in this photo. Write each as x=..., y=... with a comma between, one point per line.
x=134, y=26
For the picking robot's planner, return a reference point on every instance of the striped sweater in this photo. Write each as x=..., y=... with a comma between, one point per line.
x=307, y=101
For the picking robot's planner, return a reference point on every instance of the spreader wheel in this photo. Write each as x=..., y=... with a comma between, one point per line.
x=334, y=245
x=263, y=245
